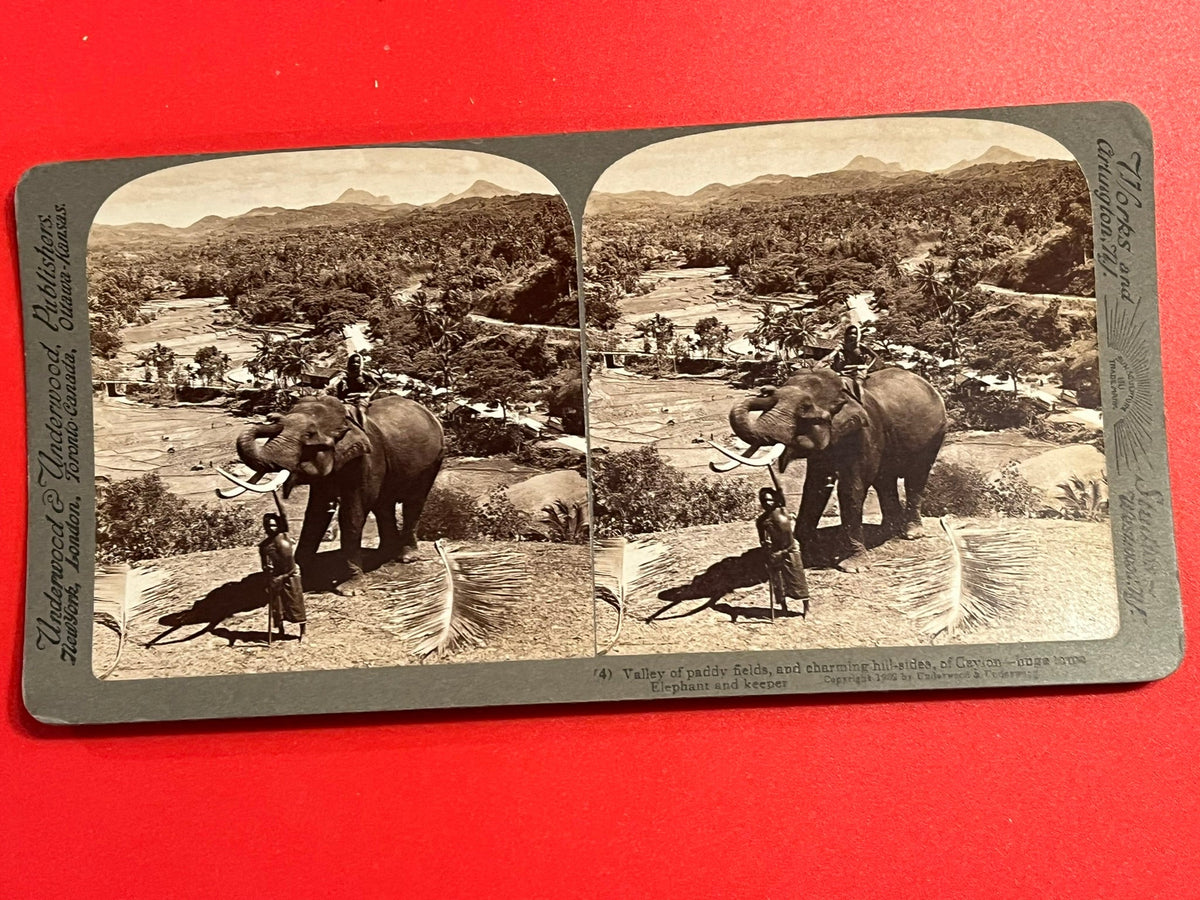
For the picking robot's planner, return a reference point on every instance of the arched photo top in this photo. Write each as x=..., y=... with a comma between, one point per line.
x=298, y=188
x=804, y=158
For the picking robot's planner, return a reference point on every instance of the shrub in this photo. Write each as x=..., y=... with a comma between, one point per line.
x=138, y=518
x=958, y=490
x=449, y=513
x=456, y=515
x=566, y=523
x=991, y=411
x=1011, y=495
x=499, y=520
x=468, y=434
x=636, y=491
x=715, y=500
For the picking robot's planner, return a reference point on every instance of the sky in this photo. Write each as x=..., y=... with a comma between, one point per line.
x=734, y=156
x=226, y=187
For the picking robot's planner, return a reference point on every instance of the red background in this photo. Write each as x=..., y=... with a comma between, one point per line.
x=1068, y=792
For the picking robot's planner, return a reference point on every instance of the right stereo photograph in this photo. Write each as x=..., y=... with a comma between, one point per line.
x=843, y=390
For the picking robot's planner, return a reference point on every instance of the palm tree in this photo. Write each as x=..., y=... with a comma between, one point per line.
x=930, y=282
x=281, y=358
x=797, y=332
x=771, y=329
x=1084, y=500
x=957, y=310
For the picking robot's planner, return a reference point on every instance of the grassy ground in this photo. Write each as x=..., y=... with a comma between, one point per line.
x=717, y=597
x=221, y=619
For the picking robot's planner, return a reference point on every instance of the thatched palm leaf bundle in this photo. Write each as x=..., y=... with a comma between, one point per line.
x=624, y=568
x=123, y=593
x=460, y=603
x=978, y=577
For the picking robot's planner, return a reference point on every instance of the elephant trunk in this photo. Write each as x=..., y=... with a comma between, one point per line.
x=749, y=430
x=248, y=450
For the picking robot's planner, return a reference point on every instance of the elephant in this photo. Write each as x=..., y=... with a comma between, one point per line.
x=394, y=458
x=892, y=429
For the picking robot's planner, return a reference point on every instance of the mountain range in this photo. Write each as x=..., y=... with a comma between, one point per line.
x=482, y=189
x=363, y=198
x=861, y=173
x=352, y=205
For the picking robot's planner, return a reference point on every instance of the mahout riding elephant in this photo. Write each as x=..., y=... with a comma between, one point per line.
x=394, y=458
x=894, y=432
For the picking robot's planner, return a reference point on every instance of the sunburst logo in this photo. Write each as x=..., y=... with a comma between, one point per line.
x=1126, y=372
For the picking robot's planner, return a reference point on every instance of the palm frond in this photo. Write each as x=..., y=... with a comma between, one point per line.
x=1084, y=500
x=624, y=568
x=123, y=592
x=566, y=523
x=460, y=603
x=978, y=578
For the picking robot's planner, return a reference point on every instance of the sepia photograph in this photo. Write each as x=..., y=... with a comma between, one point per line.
x=843, y=390
x=339, y=416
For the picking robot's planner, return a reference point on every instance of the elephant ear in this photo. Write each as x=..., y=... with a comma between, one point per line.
x=848, y=418
x=353, y=443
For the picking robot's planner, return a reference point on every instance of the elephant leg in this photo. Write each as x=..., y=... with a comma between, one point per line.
x=351, y=518
x=390, y=543
x=317, y=516
x=914, y=490
x=813, y=500
x=414, y=505
x=889, y=503
x=852, y=491
x=915, y=481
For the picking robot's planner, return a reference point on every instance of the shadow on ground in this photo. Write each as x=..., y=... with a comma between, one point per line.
x=735, y=573
x=248, y=594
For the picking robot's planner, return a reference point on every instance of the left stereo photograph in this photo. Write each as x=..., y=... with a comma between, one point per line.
x=337, y=407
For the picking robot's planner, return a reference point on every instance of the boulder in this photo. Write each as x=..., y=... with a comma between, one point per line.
x=534, y=494
x=1050, y=469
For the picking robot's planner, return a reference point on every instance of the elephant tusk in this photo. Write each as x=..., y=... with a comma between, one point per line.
x=759, y=462
x=272, y=485
x=230, y=493
x=732, y=464
x=733, y=461
x=723, y=466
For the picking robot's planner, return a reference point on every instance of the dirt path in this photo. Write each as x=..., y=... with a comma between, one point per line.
x=225, y=625
x=721, y=597
x=1068, y=304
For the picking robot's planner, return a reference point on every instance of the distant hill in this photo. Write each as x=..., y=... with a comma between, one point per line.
x=481, y=189
x=363, y=198
x=265, y=220
x=995, y=155
x=863, y=173
x=259, y=211
x=132, y=232
x=260, y=220
x=871, y=164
